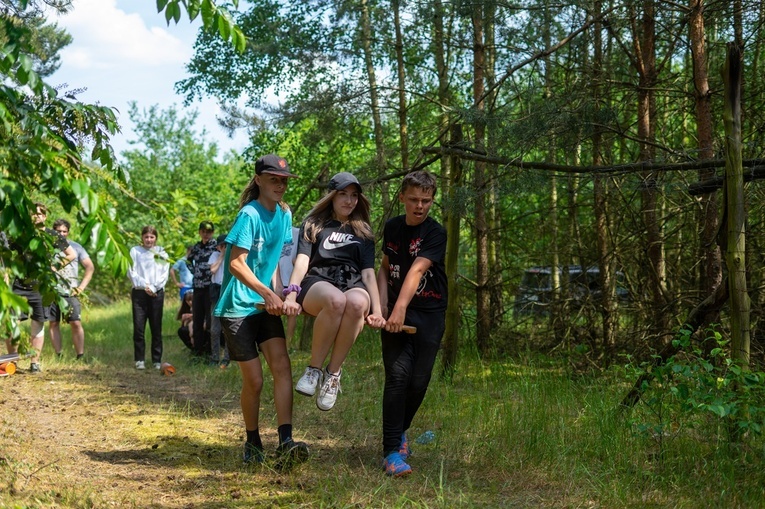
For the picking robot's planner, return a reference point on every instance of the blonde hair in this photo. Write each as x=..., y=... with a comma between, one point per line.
x=322, y=213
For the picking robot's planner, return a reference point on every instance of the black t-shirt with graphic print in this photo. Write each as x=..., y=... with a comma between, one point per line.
x=403, y=244
x=336, y=245
x=199, y=260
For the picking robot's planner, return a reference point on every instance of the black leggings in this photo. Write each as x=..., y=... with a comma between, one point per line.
x=408, y=360
x=146, y=307
x=202, y=311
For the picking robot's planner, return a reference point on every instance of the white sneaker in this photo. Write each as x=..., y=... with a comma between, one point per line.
x=329, y=390
x=309, y=381
x=157, y=365
x=140, y=365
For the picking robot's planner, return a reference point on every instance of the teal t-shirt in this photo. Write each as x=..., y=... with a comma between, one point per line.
x=263, y=234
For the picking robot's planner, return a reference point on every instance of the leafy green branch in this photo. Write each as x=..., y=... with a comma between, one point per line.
x=213, y=17
x=43, y=139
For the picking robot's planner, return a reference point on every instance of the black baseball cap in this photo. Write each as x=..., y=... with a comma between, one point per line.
x=221, y=239
x=206, y=225
x=343, y=180
x=274, y=165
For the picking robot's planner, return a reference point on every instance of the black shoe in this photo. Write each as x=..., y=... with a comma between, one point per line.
x=252, y=454
x=290, y=453
x=35, y=368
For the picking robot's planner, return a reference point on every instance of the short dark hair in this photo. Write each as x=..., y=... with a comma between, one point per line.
x=149, y=229
x=420, y=178
x=62, y=222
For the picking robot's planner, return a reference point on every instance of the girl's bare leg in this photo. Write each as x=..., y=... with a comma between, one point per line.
x=327, y=304
x=356, y=309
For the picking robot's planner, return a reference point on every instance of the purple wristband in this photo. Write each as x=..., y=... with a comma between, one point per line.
x=290, y=289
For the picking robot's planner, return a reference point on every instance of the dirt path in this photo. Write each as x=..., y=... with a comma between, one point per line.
x=72, y=437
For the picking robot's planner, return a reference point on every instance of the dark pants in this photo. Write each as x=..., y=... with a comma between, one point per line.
x=148, y=308
x=185, y=335
x=408, y=360
x=217, y=340
x=201, y=307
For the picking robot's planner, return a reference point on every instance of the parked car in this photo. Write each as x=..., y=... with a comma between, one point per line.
x=535, y=293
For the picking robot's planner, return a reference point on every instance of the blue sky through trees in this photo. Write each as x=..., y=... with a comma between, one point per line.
x=124, y=51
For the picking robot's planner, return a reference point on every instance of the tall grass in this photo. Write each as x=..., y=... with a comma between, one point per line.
x=517, y=432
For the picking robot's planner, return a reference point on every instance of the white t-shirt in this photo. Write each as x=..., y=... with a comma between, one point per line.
x=150, y=268
x=217, y=277
x=287, y=260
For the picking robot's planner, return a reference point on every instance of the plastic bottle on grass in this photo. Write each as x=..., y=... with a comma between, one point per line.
x=426, y=438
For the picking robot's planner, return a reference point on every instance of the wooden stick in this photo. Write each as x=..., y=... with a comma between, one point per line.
x=409, y=329
x=9, y=357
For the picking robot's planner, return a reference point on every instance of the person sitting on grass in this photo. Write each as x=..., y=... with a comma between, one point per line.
x=186, y=317
x=334, y=280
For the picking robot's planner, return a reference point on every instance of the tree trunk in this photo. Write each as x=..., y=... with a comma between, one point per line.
x=645, y=53
x=709, y=251
x=306, y=333
x=403, y=129
x=758, y=39
x=366, y=43
x=556, y=311
x=493, y=215
x=736, y=208
x=483, y=302
x=738, y=23
x=600, y=190
x=451, y=335
x=451, y=169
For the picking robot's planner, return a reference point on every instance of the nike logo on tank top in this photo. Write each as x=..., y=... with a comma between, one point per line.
x=337, y=240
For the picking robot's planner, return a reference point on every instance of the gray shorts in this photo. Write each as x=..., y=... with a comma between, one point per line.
x=71, y=313
x=244, y=335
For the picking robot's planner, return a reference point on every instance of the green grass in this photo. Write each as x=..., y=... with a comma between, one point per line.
x=519, y=432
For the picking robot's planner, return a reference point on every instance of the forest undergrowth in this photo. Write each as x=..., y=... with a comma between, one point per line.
x=519, y=431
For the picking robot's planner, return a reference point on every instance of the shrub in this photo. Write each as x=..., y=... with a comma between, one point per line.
x=700, y=387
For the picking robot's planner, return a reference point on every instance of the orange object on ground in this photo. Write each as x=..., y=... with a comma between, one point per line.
x=7, y=368
x=167, y=369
